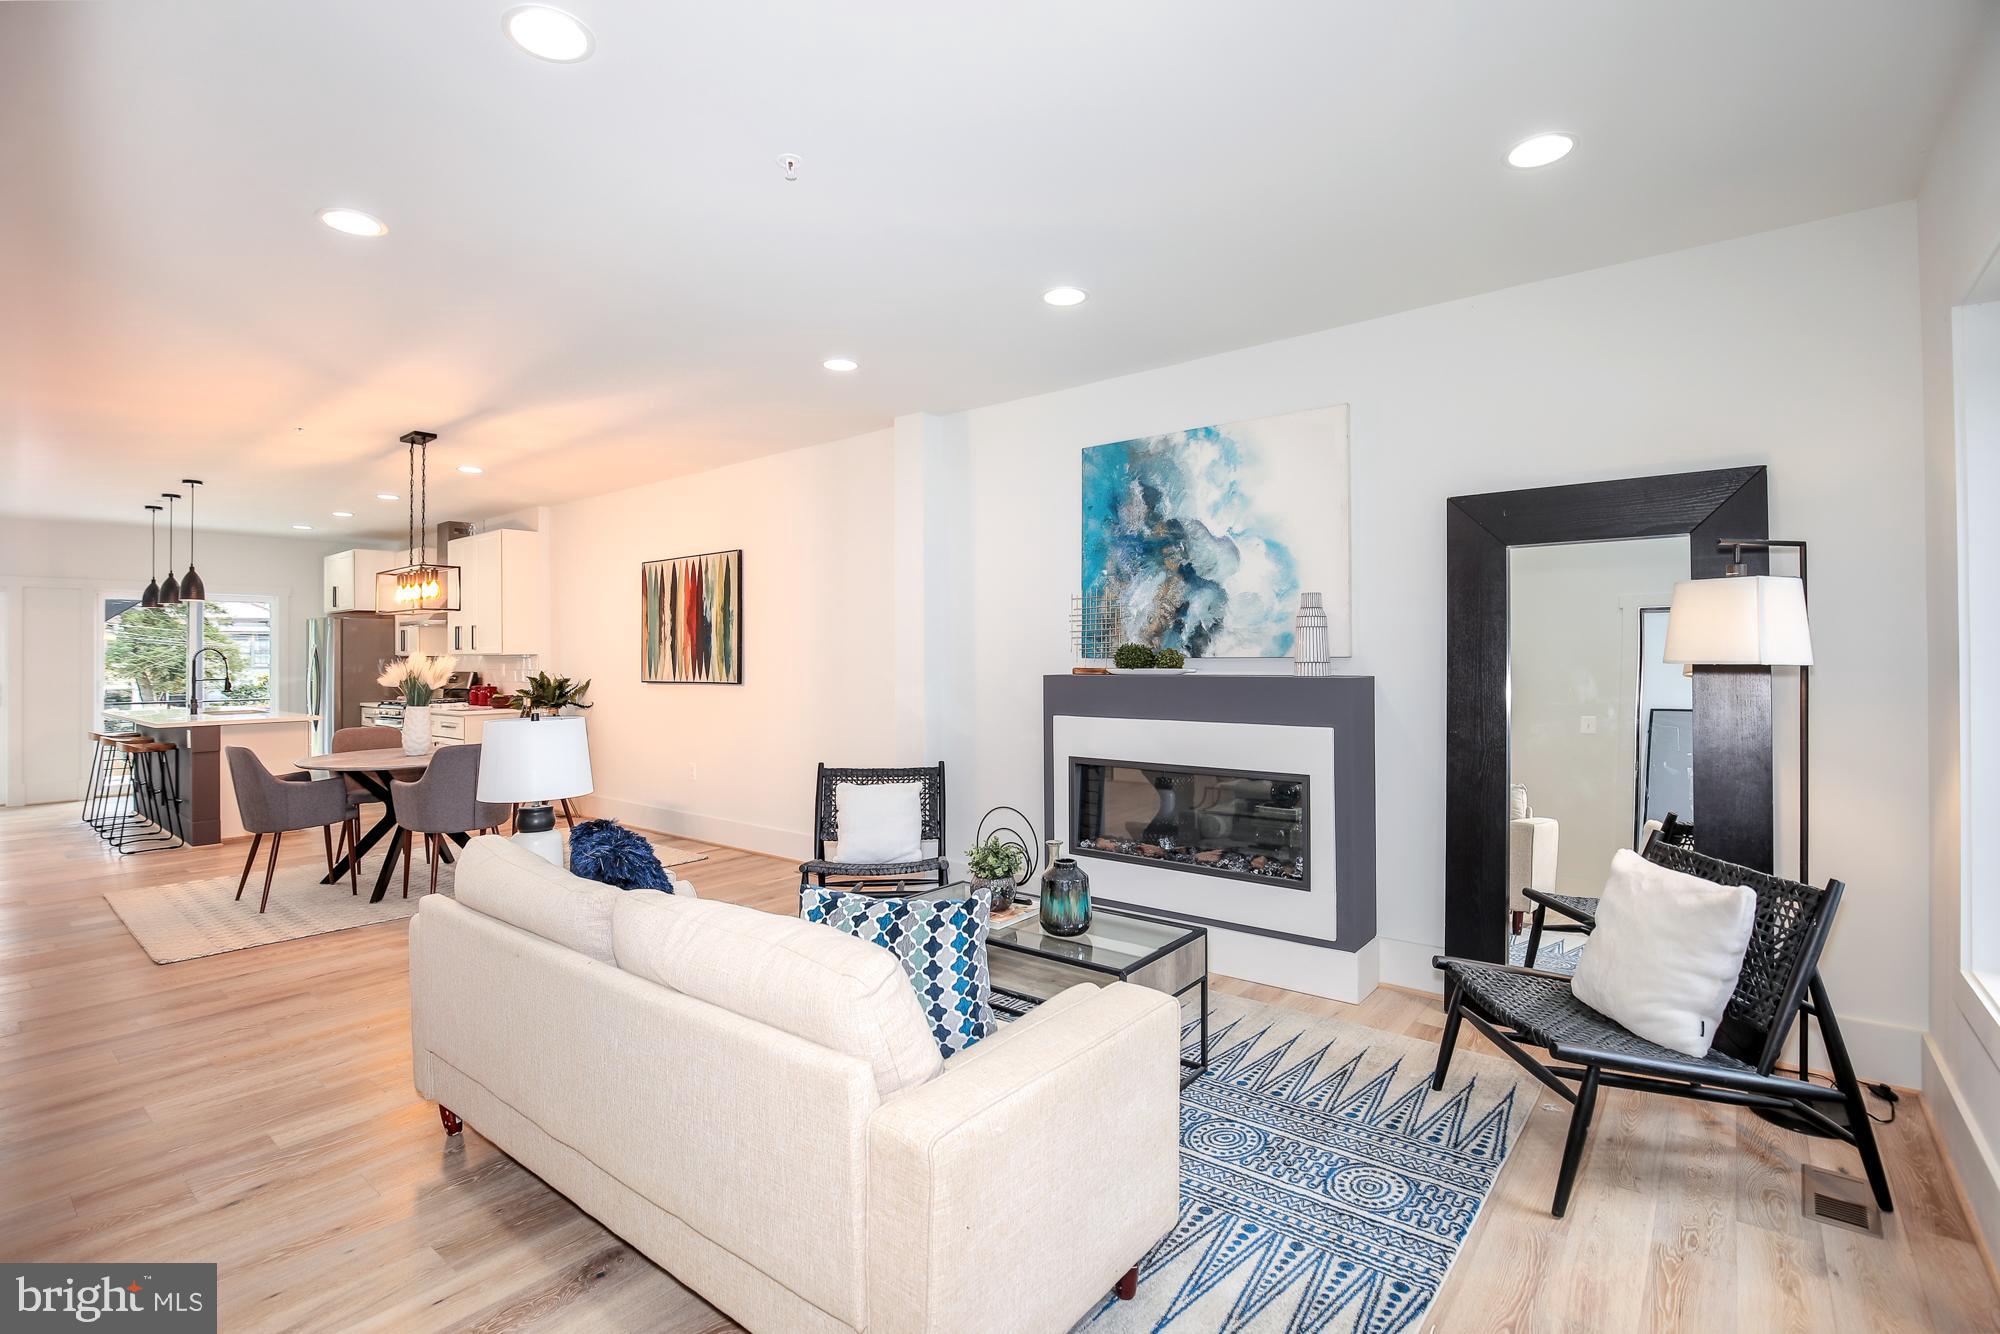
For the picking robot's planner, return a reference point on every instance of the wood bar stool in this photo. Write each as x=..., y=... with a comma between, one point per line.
x=156, y=775
x=110, y=774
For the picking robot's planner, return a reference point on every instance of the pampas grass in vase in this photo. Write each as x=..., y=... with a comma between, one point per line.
x=418, y=679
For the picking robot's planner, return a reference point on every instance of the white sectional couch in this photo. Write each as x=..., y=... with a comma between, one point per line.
x=756, y=1103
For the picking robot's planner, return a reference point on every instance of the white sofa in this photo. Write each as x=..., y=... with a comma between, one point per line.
x=756, y=1103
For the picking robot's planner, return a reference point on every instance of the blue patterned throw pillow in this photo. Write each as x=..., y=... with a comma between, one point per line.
x=941, y=944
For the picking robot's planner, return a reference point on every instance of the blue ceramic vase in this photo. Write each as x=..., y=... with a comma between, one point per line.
x=1065, y=906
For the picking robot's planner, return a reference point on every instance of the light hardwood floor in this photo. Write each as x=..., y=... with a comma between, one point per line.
x=255, y=1109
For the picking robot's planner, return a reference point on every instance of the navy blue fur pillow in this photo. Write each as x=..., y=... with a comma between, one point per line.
x=607, y=851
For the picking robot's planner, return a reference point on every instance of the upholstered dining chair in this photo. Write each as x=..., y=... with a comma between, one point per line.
x=276, y=806
x=889, y=877
x=444, y=801
x=361, y=738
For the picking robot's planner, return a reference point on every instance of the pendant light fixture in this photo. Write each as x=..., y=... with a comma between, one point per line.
x=170, y=591
x=422, y=585
x=191, y=585
x=151, y=597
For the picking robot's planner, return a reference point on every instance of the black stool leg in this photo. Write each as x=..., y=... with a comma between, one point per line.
x=1579, y=1130
x=96, y=782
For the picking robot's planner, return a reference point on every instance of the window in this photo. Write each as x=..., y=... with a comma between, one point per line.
x=147, y=650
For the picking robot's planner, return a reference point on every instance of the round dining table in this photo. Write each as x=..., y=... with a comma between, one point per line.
x=376, y=771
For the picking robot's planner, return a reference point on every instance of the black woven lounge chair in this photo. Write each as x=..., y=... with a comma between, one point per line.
x=1580, y=910
x=886, y=877
x=1520, y=1007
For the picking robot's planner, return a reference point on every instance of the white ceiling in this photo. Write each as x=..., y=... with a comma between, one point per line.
x=596, y=274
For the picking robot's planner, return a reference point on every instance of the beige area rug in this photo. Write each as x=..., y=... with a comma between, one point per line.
x=1324, y=1186
x=197, y=918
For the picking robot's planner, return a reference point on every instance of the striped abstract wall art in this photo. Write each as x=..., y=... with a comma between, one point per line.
x=691, y=619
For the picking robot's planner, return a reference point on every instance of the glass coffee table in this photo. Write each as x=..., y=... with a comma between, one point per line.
x=1029, y=965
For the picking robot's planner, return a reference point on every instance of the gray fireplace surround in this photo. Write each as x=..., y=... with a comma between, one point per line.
x=1345, y=704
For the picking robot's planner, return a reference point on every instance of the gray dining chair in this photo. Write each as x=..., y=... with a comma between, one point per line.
x=272, y=805
x=444, y=801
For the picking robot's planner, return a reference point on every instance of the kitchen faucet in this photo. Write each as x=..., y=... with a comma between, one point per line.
x=196, y=681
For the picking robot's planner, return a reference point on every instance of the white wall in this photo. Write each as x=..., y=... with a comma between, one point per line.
x=1797, y=349
x=1959, y=210
x=1573, y=651
x=735, y=763
x=55, y=572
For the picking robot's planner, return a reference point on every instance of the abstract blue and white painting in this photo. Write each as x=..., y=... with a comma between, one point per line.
x=1204, y=539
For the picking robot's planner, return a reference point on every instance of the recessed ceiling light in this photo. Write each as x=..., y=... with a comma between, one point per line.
x=1541, y=150
x=1065, y=296
x=303, y=527
x=549, y=33
x=841, y=364
x=353, y=221
x=343, y=514
x=470, y=467
x=387, y=495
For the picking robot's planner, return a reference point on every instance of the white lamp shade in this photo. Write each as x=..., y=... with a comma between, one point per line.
x=1743, y=620
x=534, y=759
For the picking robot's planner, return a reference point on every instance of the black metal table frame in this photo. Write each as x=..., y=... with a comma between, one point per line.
x=1190, y=1070
x=380, y=790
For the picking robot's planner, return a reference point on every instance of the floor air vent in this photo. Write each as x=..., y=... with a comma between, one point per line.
x=1839, y=1200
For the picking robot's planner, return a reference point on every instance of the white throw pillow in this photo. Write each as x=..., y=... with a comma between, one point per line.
x=880, y=823
x=1665, y=954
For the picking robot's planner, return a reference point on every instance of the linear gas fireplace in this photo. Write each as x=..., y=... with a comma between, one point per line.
x=1249, y=825
x=1242, y=803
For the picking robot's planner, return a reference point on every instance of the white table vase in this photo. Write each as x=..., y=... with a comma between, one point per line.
x=416, y=729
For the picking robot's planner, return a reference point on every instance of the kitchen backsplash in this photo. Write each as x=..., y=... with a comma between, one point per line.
x=509, y=673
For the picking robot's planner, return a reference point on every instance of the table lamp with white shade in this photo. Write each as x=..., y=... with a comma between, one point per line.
x=1750, y=620
x=534, y=761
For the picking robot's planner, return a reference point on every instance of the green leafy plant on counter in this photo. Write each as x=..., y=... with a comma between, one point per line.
x=1171, y=658
x=550, y=694
x=995, y=860
x=1134, y=656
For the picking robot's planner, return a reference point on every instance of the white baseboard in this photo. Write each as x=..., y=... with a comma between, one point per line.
x=1407, y=964
x=791, y=844
x=1970, y=1157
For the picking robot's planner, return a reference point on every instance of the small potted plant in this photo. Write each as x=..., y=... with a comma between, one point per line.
x=417, y=678
x=1135, y=658
x=1145, y=658
x=550, y=695
x=995, y=864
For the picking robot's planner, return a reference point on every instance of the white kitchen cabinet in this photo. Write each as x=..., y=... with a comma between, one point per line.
x=347, y=578
x=427, y=635
x=503, y=593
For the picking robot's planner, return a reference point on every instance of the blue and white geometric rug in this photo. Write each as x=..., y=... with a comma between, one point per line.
x=1558, y=952
x=1324, y=1187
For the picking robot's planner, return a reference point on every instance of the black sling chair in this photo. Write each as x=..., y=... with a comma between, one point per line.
x=1780, y=982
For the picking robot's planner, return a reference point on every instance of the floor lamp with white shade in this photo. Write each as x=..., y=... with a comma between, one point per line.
x=1753, y=620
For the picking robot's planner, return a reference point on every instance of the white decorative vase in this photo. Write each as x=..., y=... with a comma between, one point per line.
x=1311, y=648
x=416, y=729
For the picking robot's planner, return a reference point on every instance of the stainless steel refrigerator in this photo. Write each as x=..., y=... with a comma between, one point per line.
x=344, y=655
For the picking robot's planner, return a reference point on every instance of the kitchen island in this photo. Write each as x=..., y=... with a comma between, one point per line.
x=208, y=798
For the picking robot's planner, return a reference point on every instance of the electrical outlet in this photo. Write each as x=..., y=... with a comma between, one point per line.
x=692, y=775
x=1587, y=724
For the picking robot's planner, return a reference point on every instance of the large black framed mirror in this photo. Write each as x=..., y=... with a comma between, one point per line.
x=1731, y=780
